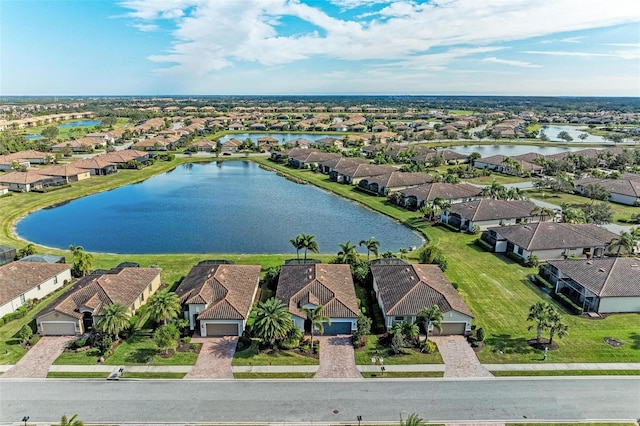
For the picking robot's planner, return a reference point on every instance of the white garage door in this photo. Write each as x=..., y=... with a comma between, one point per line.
x=222, y=329
x=58, y=328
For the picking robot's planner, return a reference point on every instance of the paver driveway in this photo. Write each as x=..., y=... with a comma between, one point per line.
x=337, y=358
x=459, y=359
x=36, y=362
x=214, y=360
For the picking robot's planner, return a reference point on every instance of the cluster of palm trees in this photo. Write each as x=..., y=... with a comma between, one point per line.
x=547, y=317
x=501, y=192
x=347, y=254
x=626, y=243
x=438, y=205
x=406, y=331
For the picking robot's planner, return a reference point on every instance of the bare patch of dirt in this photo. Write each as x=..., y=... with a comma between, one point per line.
x=544, y=343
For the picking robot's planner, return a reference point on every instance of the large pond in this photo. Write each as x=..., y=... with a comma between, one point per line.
x=282, y=137
x=223, y=207
x=82, y=123
x=553, y=130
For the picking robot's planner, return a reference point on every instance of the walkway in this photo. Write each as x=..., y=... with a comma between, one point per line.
x=36, y=362
x=459, y=359
x=214, y=360
x=337, y=358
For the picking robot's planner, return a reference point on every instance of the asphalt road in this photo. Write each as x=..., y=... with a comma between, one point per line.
x=182, y=401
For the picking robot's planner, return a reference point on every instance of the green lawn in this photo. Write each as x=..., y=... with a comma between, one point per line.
x=499, y=178
x=137, y=350
x=410, y=356
x=567, y=373
x=76, y=375
x=251, y=356
x=403, y=374
x=273, y=375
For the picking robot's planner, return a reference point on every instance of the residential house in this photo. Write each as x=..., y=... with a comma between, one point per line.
x=97, y=166
x=22, y=281
x=43, y=258
x=403, y=291
x=231, y=146
x=4, y=190
x=125, y=155
x=69, y=172
x=394, y=181
x=330, y=286
x=7, y=254
x=205, y=145
x=417, y=196
x=29, y=181
x=217, y=298
x=353, y=172
x=80, y=308
x=76, y=145
x=267, y=142
x=625, y=190
x=607, y=285
x=448, y=157
x=549, y=240
x=307, y=158
x=507, y=165
x=487, y=212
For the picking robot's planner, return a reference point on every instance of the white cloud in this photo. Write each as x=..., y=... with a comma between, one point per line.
x=214, y=34
x=495, y=60
x=621, y=54
x=145, y=28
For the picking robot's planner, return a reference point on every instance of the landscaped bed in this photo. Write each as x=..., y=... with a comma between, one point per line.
x=253, y=356
x=375, y=348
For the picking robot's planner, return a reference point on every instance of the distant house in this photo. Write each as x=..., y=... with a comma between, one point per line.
x=624, y=191
x=43, y=258
x=607, y=285
x=549, y=240
x=217, y=298
x=501, y=164
x=22, y=281
x=69, y=172
x=330, y=286
x=306, y=158
x=231, y=146
x=80, y=308
x=417, y=196
x=353, y=172
x=29, y=181
x=486, y=213
x=394, y=181
x=205, y=145
x=77, y=145
x=404, y=290
x=97, y=166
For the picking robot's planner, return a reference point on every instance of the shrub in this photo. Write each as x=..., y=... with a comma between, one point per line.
x=428, y=347
x=25, y=333
x=362, y=330
x=102, y=342
x=397, y=343
x=34, y=339
x=475, y=230
x=568, y=303
x=541, y=282
x=480, y=334
x=1, y=321
x=483, y=244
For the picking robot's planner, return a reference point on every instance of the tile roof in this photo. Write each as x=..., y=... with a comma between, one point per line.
x=397, y=178
x=499, y=160
x=357, y=170
x=448, y=191
x=607, y=277
x=553, y=235
x=488, y=209
x=227, y=290
x=321, y=284
x=407, y=289
x=119, y=285
x=18, y=277
x=629, y=186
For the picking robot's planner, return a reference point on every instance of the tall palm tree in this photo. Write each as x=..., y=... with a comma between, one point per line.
x=164, y=306
x=73, y=421
x=82, y=261
x=431, y=316
x=114, y=319
x=539, y=312
x=625, y=241
x=272, y=321
x=309, y=243
x=372, y=245
x=347, y=253
x=317, y=319
x=297, y=244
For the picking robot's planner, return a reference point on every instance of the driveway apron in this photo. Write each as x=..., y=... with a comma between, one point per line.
x=459, y=359
x=214, y=360
x=337, y=359
x=36, y=362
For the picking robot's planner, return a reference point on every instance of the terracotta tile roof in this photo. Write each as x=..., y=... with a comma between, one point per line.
x=120, y=285
x=395, y=179
x=499, y=160
x=407, y=289
x=124, y=155
x=552, y=235
x=321, y=284
x=488, y=209
x=28, y=177
x=227, y=290
x=448, y=191
x=96, y=162
x=363, y=170
x=63, y=170
x=18, y=277
x=607, y=277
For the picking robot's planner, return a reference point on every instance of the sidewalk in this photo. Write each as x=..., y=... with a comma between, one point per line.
x=362, y=368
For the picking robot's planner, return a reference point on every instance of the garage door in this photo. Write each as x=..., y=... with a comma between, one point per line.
x=452, y=328
x=337, y=327
x=222, y=329
x=58, y=328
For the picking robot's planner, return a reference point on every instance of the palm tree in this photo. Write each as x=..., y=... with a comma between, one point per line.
x=372, y=246
x=27, y=250
x=164, y=306
x=409, y=330
x=82, y=261
x=314, y=315
x=539, y=312
x=412, y=420
x=309, y=243
x=115, y=318
x=431, y=317
x=73, y=421
x=297, y=244
x=347, y=253
x=272, y=321
x=556, y=325
x=625, y=241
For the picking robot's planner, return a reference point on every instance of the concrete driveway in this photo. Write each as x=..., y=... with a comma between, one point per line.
x=459, y=359
x=36, y=362
x=337, y=358
x=214, y=360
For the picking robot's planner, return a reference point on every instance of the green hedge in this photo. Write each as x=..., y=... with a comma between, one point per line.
x=568, y=303
x=483, y=244
x=542, y=283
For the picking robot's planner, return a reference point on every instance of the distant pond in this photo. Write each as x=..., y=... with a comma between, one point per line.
x=82, y=123
x=218, y=207
x=510, y=150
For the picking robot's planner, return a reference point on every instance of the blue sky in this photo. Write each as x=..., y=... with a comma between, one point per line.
x=246, y=47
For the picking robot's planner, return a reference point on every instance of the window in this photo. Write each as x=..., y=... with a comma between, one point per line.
x=38, y=287
x=399, y=318
x=142, y=297
x=22, y=299
x=520, y=251
x=55, y=281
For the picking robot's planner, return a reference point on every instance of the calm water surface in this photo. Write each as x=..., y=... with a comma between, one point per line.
x=80, y=123
x=488, y=150
x=225, y=207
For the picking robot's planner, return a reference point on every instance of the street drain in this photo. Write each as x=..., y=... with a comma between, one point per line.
x=335, y=411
